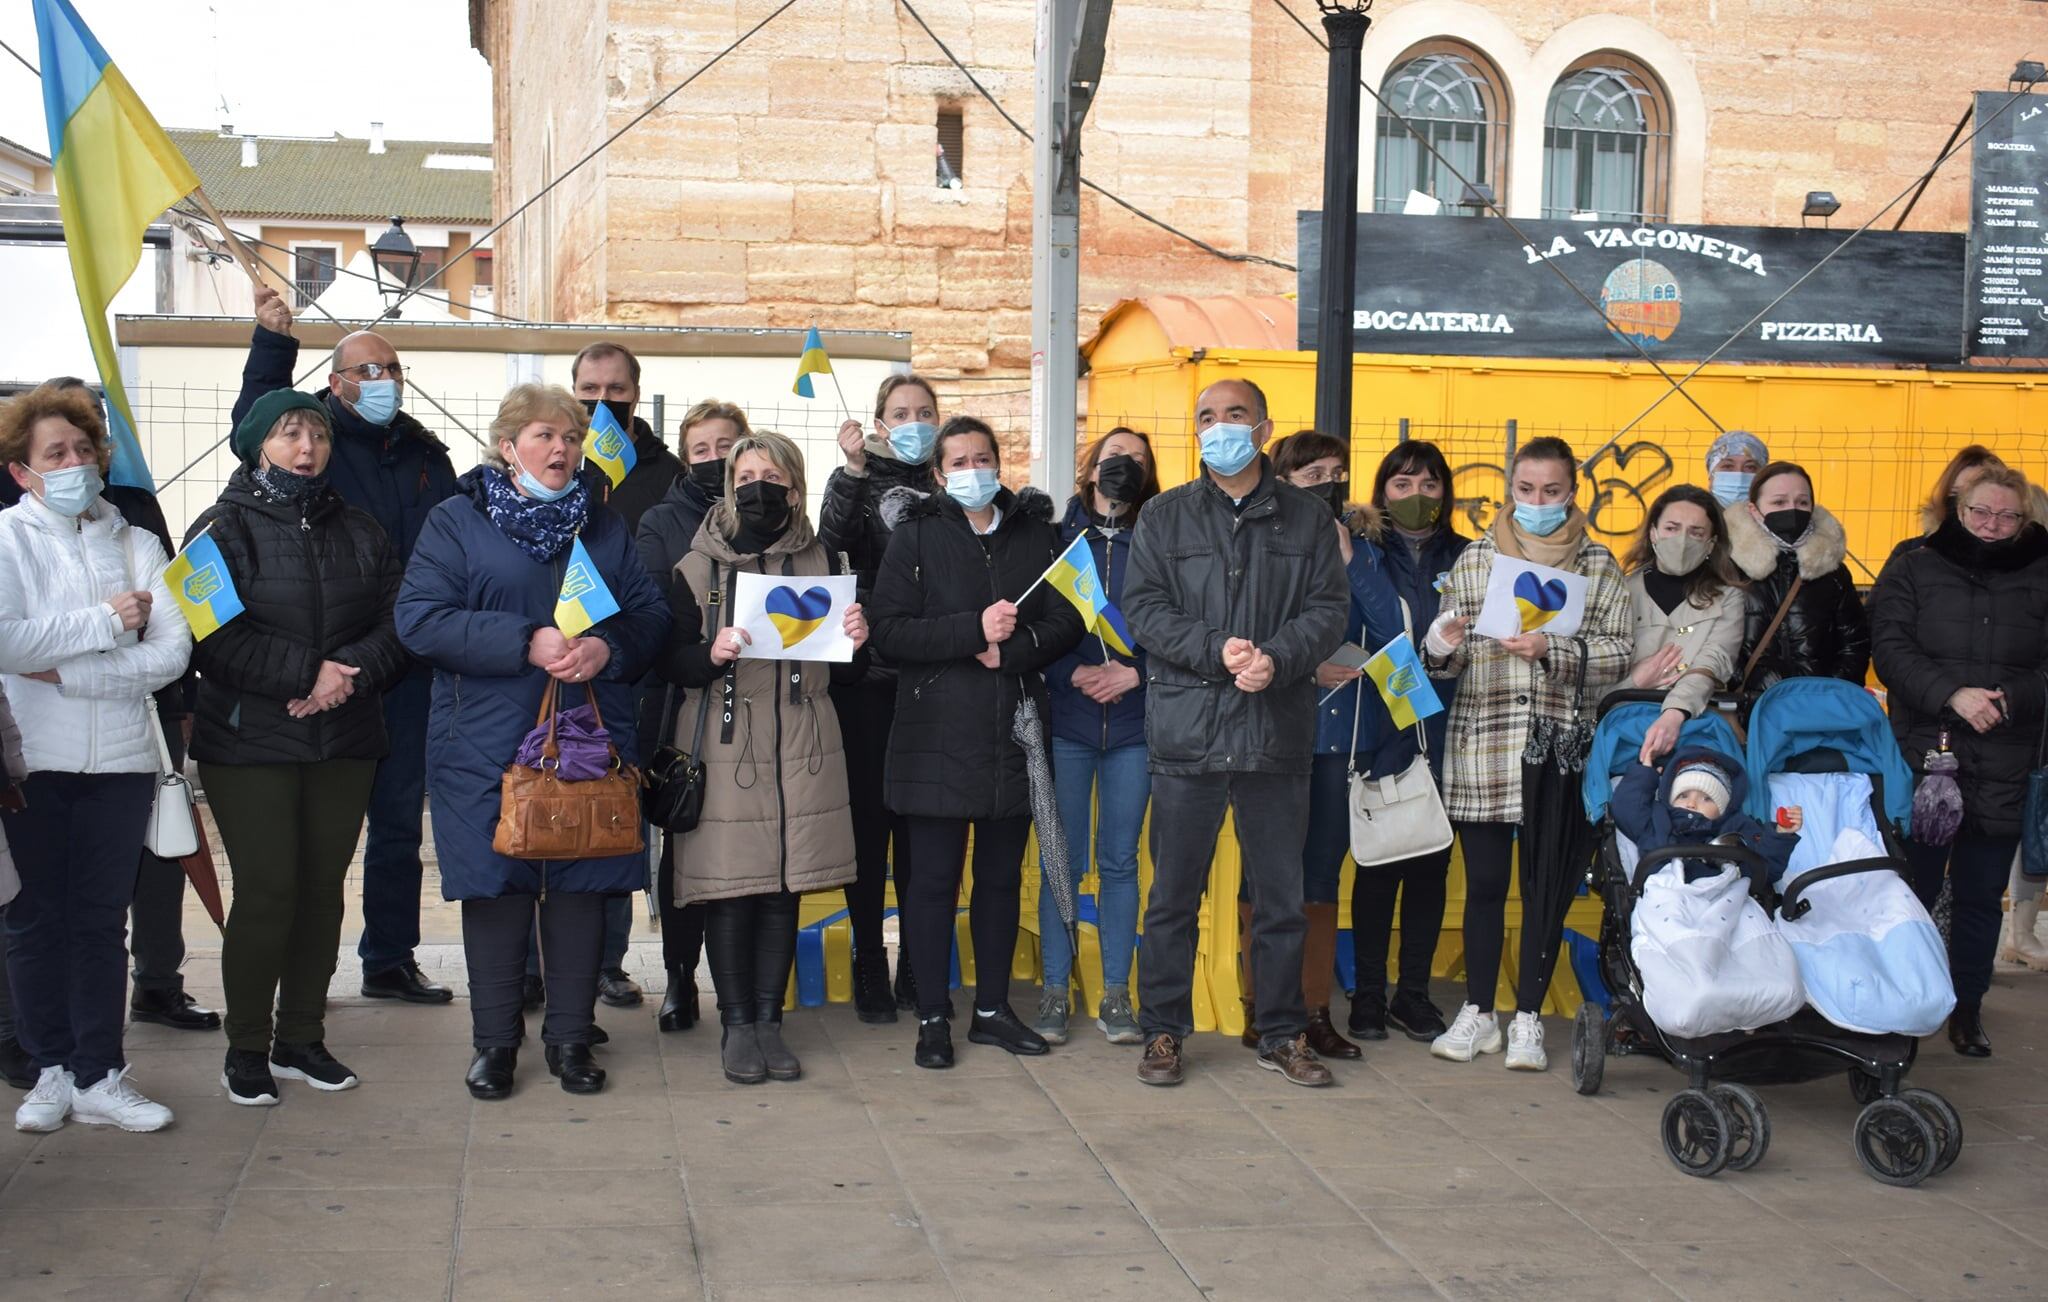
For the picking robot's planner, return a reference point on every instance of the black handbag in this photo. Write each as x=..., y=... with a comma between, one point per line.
x=672, y=787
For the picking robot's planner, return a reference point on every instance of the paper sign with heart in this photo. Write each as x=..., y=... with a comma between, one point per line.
x=796, y=615
x=794, y=619
x=1523, y=597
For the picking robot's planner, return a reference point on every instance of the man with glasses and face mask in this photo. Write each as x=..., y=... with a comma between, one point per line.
x=386, y=463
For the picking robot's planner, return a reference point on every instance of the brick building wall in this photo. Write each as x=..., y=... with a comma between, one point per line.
x=794, y=183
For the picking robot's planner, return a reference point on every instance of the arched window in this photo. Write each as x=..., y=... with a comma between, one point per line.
x=1451, y=97
x=1606, y=143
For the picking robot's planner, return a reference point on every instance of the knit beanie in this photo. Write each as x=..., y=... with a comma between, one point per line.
x=263, y=417
x=1709, y=779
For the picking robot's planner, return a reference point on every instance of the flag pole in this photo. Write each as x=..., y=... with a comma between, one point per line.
x=843, y=404
x=233, y=241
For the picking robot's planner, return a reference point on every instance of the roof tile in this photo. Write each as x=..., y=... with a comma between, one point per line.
x=338, y=179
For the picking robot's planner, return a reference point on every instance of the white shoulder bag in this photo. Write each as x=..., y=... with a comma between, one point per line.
x=1400, y=816
x=172, y=833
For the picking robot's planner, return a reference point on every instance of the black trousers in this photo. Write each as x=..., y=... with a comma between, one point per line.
x=866, y=713
x=939, y=847
x=494, y=942
x=1489, y=863
x=1972, y=866
x=1420, y=883
x=751, y=943
x=682, y=926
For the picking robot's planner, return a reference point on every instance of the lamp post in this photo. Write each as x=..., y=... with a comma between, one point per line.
x=1345, y=21
x=396, y=262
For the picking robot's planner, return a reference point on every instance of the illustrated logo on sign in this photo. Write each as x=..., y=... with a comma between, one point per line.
x=203, y=584
x=577, y=581
x=608, y=443
x=1539, y=602
x=1641, y=299
x=796, y=615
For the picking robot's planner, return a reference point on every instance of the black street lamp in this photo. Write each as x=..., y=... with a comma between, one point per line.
x=396, y=262
x=1345, y=22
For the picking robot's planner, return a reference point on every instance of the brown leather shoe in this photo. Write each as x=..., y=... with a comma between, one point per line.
x=1161, y=1064
x=1297, y=1062
x=1250, y=1038
x=1323, y=1037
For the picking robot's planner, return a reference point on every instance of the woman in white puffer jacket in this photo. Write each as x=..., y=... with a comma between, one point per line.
x=87, y=632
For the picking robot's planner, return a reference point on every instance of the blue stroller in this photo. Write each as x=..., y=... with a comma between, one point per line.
x=1814, y=726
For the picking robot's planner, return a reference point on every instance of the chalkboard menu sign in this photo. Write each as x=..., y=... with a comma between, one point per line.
x=1472, y=286
x=2008, y=280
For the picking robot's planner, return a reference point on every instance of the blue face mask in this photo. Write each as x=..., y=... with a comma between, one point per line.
x=972, y=489
x=71, y=490
x=1542, y=521
x=377, y=401
x=536, y=490
x=1227, y=449
x=912, y=441
x=1731, y=486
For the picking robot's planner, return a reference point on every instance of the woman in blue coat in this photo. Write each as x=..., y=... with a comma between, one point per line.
x=1412, y=490
x=478, y=605
x=1097, y=703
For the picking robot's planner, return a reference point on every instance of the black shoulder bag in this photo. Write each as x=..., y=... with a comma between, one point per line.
x=672, y=785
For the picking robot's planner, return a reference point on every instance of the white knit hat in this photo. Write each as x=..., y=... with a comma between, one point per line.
x=1706, y=778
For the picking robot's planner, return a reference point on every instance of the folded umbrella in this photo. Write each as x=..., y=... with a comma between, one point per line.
x=205, y=878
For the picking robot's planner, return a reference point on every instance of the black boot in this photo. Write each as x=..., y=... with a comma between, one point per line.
x=578, y=1072
x=1966, y=1031
x=490, y=1073
x=679, y=1004
x=872, y=999
x=172, y=1008
x=906, y=984
x=14, y=1065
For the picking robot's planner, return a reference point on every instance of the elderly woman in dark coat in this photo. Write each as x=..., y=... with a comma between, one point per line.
x=1960, y=630
x=479, y=606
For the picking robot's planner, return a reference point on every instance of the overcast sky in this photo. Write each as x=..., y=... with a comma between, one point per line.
x=297, y=68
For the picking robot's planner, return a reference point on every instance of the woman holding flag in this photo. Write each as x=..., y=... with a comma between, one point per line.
x=959, y=609
x=289, y=728
x=87, y=631
x=1097, y=695
x=485, y=603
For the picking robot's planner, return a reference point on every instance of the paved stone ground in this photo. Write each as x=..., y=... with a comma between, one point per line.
x=1055, y=1177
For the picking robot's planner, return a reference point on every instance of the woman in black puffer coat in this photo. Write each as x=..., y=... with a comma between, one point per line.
x=289, y=729
x=1960, y=628
x=946, y=612
x=1780, y=536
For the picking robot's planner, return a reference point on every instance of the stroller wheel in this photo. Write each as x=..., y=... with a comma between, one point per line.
x=1589, y=1048
x=1896, y=1142
x=1752, y=1125
x=1863, y=1087
x=1948, y=1126
x=1697, y=1132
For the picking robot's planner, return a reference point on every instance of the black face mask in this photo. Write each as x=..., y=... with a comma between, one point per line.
x=621, y=411
x=288, y=485
x=709, y=476
x=1333, y=493
x=1789, y=526
x=763, y=508
x=1120, y=478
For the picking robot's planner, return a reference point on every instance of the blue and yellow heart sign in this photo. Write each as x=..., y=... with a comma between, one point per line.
x=1538, y=600
x=796, y=615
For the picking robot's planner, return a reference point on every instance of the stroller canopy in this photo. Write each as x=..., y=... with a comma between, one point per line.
x=1619, y=739
x=1802, y=715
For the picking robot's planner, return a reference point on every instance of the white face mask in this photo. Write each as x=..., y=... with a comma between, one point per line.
x=71, y=490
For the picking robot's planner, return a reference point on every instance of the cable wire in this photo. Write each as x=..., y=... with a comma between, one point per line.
x=1127, y=206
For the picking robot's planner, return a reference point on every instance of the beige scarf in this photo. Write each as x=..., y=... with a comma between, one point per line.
x=1558, y=551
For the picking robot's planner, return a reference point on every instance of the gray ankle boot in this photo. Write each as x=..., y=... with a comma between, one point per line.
x=781, y=1064
x=740, y=1052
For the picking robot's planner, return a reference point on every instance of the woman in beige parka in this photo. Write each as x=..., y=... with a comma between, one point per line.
x=1688, y=601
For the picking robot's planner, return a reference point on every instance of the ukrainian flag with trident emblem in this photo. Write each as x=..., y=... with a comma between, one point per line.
x=585, y=601
x=199, y=582
x=1073, y=576
x=609, y=446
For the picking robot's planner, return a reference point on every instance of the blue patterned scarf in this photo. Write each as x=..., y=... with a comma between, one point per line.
x=543, y=530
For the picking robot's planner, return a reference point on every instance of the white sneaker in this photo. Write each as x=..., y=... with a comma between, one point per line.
x=115, y=1102
x=1470, y=1035
x=1525, y=1044
x=47, y=1104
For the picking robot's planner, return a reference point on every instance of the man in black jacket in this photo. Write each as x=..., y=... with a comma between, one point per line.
x=386, y=463
x=1236, y=590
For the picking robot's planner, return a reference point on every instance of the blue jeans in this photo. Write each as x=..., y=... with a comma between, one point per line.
x=1126, y=786
x=391, y=858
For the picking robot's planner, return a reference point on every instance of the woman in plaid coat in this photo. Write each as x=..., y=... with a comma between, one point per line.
x=1519, y=731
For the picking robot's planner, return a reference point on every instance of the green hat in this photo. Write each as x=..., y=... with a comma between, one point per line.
x=263, y=417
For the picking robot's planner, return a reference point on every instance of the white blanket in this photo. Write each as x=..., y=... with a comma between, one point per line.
x=1710, y=958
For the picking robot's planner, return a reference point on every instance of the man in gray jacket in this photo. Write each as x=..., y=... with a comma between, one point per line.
x=1236, y=591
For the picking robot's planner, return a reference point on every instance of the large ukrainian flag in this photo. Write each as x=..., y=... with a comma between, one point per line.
x=116, y=173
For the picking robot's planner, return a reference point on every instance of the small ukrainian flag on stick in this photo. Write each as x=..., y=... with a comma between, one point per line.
x=1073, y=575
x=609, y=446
x=814, y=362
x=585, y=601
x=199, y=582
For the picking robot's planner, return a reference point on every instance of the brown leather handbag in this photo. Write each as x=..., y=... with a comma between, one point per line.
x=540, y=816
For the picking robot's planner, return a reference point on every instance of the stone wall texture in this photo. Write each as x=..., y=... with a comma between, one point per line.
x=793, y=184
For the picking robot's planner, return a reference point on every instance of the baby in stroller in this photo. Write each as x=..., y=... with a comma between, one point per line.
x=1697, y=800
